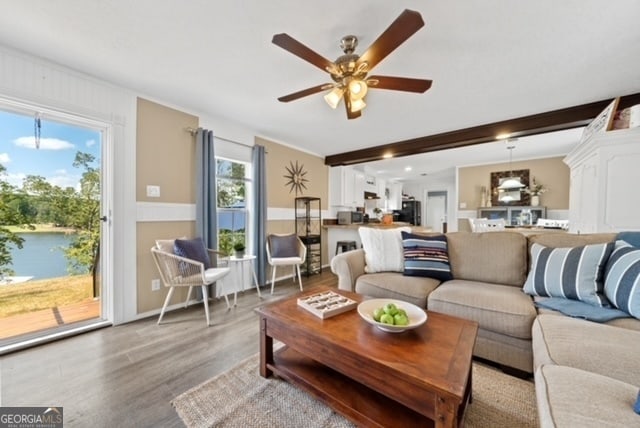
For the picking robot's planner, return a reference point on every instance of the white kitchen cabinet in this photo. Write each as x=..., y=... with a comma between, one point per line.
x=346, y=187
x=604, y=174
x=370, y=183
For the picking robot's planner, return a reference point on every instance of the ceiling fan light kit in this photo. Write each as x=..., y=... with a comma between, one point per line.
x=349, y=71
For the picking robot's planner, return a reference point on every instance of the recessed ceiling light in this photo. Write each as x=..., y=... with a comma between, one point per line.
x=503, y=136
x=387, y=155
x=407, y=168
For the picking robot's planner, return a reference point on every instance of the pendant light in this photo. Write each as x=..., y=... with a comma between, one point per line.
x=511, y=182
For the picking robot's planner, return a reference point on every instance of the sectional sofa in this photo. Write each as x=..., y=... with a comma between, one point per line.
x=488, y=272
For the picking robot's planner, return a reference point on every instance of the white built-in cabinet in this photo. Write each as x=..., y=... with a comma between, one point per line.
x=346, y=187
x=605, y=173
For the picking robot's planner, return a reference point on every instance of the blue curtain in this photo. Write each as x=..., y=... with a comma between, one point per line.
x=259, y=211
x=206, y=198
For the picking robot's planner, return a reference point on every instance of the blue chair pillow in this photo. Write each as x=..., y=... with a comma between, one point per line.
x=283, y=246
x=193, y=249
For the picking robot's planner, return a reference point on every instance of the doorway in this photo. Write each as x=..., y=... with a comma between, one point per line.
x=436, y=211
x=53, y=245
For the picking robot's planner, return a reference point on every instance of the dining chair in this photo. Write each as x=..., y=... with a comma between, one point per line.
x=488, y=225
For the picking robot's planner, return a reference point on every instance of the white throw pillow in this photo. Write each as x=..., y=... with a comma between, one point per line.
x=383, y=250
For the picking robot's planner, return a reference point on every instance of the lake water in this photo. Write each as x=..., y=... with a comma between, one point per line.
x=41, y=255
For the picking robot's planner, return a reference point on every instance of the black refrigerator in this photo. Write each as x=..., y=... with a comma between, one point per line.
x=411, y=212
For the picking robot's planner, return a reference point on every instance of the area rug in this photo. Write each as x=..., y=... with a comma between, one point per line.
x=240, y=397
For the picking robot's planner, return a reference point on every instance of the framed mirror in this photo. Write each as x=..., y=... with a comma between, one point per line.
x=518, y=197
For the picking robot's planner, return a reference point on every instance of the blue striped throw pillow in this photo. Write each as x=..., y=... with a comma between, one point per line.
x=622, y=278
x=573, y=273
x=426, y=256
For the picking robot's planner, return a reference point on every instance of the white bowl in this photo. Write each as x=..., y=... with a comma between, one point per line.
x=417, y=316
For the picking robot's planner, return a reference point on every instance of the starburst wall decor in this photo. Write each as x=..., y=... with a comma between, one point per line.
x=295, y=175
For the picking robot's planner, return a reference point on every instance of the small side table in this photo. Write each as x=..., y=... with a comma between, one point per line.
x=239, y=264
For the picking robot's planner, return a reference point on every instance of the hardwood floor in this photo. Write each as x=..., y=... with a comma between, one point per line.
x=126, y=375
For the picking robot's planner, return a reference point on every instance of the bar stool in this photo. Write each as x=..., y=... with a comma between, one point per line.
x=344, y=246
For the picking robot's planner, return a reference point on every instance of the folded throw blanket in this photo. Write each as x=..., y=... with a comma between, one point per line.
x=578, y=309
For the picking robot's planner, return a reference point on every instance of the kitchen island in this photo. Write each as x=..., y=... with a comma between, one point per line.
x=349, y=232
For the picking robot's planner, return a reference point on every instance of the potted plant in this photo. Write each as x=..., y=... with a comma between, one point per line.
x=535, y=190
x=239, y=249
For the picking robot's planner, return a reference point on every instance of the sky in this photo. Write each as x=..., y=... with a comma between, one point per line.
x=59, y=143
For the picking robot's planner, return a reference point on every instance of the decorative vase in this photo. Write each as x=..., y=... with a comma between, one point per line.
x=535, y=200
x=240, y=254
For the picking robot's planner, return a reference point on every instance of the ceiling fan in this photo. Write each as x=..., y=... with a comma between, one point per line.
x=349, y=71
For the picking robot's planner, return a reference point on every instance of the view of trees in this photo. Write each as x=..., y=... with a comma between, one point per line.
x=231, y=198
x=40, y=202
x=10, y=214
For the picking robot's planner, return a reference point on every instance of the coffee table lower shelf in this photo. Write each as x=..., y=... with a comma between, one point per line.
x=353, y=400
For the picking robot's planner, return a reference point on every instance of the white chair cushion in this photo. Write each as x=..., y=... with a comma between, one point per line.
x=286, y=261
x=214, y=274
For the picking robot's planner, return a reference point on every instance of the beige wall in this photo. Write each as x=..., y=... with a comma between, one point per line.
x=278, y=196
x=553, y=173
x=165, y=158
x=277, y=159
x=165, y=154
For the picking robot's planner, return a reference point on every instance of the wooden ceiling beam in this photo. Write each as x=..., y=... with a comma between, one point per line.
x=555, y=120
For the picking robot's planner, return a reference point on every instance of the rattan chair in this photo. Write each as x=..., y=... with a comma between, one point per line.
x=176, y=271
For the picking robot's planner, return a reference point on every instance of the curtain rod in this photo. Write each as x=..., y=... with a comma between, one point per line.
x=194, y=131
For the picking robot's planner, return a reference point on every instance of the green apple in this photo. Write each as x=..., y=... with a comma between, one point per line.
x=403, y=312
x=400, y=319
x=377, y=313
x=390, y=309
x=386, y=319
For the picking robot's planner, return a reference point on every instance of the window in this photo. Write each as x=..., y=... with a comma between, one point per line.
x=232, y=183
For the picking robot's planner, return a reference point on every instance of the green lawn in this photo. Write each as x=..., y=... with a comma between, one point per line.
x=43, y=294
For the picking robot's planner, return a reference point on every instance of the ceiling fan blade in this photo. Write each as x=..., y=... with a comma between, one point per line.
x=347, y=104
x=398, y=83
x=305, y=92
x=290, y=44
x=400, y=30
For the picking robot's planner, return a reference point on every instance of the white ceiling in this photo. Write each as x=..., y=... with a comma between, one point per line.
x=489, y=60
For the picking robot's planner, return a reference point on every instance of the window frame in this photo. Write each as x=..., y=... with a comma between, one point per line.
x=248, y=187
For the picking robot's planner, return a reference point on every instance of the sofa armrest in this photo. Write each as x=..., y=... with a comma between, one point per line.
x=348, y=266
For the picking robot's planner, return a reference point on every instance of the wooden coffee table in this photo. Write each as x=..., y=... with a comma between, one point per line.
x=420, y=377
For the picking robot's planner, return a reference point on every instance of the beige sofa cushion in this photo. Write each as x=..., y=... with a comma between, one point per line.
x=587, y=346
x=494, y=257
x=498, y=308
x=391, y=285
x=563, y=240
x=569, y=397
